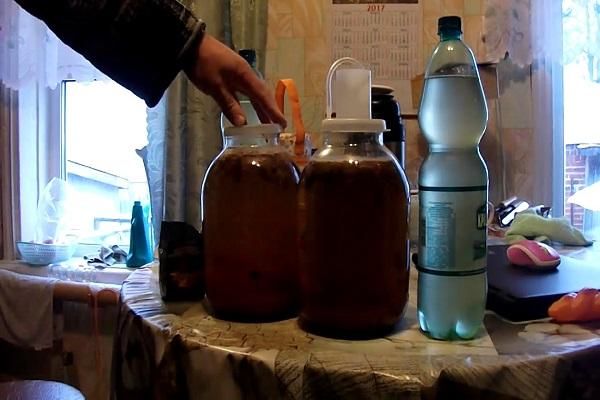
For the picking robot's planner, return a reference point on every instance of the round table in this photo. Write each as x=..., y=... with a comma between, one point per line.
x=178, y=351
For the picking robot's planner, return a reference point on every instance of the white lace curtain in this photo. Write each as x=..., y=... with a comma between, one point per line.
x=30, y=52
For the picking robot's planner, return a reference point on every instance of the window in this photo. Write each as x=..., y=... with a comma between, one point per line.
x=103, y=126
x=87, y=134
x=581, y=77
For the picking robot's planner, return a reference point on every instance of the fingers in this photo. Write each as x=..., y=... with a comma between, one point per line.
x=229, y=105
x=261, y=98
x=220, y=72
x=262, y=115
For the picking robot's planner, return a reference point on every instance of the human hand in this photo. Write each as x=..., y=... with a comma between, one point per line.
x=219, y=72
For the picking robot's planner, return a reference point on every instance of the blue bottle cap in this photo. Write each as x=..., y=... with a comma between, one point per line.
x=449, y=24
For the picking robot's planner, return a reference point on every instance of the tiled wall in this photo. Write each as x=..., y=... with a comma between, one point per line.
x=298, y=48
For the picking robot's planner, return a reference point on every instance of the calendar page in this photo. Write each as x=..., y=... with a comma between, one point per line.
x=386, y=36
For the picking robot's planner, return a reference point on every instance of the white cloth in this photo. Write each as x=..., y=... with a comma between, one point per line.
x=26, y=315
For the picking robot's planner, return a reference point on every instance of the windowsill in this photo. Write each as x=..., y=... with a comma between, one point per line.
x=72, y=270
x=92, y=249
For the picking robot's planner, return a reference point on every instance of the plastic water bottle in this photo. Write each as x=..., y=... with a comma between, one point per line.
x=453, y=190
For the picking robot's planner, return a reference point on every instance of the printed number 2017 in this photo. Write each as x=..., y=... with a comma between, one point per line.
x=375, y=7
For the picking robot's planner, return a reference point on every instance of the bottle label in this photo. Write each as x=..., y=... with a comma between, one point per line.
x=453, y=229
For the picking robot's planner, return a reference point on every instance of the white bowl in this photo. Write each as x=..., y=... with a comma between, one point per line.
x=44, y=254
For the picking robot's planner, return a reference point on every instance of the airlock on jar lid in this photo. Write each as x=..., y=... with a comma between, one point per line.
x=349, y=101
x=261, y=129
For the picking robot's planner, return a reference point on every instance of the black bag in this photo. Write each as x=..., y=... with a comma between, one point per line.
x=181, y=256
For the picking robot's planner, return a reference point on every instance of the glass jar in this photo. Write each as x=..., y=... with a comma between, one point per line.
x=354, y=250
x=249, y=204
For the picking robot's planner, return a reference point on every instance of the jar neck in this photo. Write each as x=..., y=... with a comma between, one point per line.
x=248, y=140
x=352, y=139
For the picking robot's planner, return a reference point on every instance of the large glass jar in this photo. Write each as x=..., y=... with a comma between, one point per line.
x=354, y=209
x=249, y=203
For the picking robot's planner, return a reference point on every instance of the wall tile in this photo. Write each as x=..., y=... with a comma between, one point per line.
x=490, y=150
x=427, y=51
x=432, y=6
x=308, y=18
x=313, y=112
x=473, y=35
x=515, y=104
x=316, y=64
x=453, y=7
x=271, y=68
x=518, y=144
x=416, y=151
x=290, y=60
x=430, y=29
x=281, y=6
x=473, y=7
x=279, y=25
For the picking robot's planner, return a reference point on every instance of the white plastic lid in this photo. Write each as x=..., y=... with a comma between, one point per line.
x=354, y=125
x=261, y=129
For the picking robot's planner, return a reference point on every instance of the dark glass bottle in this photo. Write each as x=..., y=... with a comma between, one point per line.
x=384, y=106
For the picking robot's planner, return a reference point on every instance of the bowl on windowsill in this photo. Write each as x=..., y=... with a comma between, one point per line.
x=39, y=254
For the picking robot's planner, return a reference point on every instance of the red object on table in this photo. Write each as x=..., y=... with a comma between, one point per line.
x=577, y=307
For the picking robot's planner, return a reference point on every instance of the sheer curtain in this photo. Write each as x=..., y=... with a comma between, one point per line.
x=29, y=51
x=184, y=128
x=530, y=32
x=31, y=58
x=547, y=90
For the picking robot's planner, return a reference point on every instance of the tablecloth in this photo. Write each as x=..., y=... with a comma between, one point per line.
x=179, y=351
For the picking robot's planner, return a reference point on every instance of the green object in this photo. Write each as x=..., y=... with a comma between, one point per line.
x=453, y=190
x=533, y=226
x=139, y=249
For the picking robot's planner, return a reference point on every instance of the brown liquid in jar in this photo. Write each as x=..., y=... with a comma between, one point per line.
x=353, y=247
x=250, y=235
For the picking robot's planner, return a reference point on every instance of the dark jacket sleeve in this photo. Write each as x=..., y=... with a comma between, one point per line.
x=141, y=44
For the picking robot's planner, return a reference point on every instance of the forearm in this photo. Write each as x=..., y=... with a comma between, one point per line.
x=142, y=44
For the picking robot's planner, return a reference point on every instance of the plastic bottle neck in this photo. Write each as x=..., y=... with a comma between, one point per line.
x=450, y=34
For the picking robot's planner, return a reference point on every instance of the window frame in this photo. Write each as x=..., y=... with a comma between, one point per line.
x=40, y=132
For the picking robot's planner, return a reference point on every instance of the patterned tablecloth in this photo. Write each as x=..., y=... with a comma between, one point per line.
x=178, y=351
